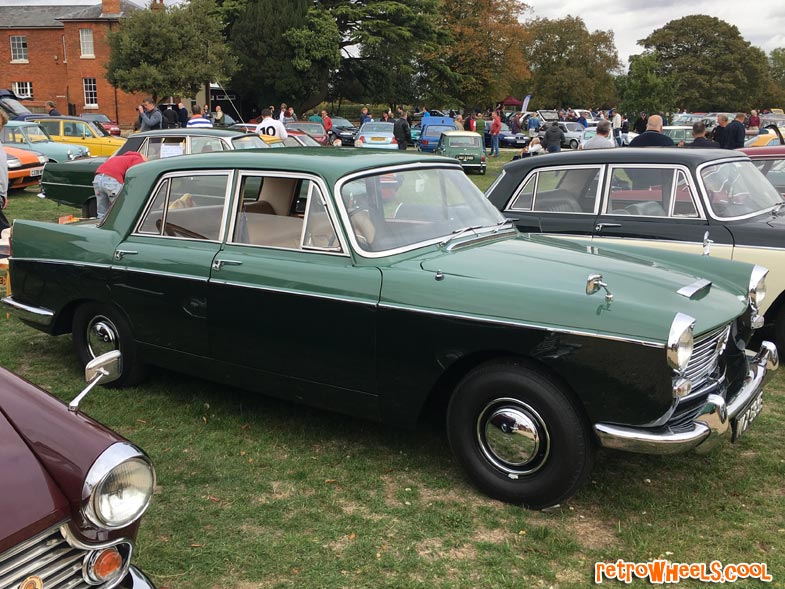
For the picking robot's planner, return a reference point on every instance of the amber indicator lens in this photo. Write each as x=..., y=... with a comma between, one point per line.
x=107, y=564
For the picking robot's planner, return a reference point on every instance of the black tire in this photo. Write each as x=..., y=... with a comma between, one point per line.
x=573, y=144
x=779, y=331
x=90, y=209
x=499, y=398
x=99, y=328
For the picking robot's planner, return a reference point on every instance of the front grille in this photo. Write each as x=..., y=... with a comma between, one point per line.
x=48, y=556
x=705, y=356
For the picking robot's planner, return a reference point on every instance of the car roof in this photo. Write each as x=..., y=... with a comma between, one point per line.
x=331, y=164
x=627, y=155
x=54, y=118
x=199, y=131
x=457, y=133
x=763, y=151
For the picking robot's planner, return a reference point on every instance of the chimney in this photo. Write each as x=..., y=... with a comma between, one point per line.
x=110, y=6
x=157, y=5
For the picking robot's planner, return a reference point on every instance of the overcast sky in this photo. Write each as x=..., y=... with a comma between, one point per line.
x=760, y=23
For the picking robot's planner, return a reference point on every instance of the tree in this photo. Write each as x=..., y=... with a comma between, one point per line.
x=571, y=67
x=483, y=47
x=169, y=52
x=644, y=88
x=711, y=67
x=284, y=54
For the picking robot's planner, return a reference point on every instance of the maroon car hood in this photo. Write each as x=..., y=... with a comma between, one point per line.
x=30, y=501
x=45, y=454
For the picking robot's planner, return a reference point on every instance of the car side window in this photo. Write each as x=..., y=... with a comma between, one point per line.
x=644, y=192
x=283, y=212
x=161, y=147
x=51, y=127
x=683, y=198
x=567, y=190
x=525, y=196
x=206, y=144
x=189, y=207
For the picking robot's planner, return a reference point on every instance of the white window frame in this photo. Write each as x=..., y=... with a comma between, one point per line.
x=86, y=45
x=22, y=89
x=19, y=49
x=87, y=91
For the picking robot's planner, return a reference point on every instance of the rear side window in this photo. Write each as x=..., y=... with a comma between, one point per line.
x=566, y=190
x=645, y=192
x=188, y=207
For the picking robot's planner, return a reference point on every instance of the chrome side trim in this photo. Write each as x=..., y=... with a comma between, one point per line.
x=290, y=291
x=515, y=323
x=63, y=262
x=38, y=315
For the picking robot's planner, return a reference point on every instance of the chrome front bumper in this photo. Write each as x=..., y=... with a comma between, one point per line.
x=709, y=428
x=136, y=579
x=35, y=315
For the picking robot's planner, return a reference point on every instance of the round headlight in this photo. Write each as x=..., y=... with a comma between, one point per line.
x=680, y=341
x=42, y=159
x=757, y=288
x=119, y=486
x=13, y=162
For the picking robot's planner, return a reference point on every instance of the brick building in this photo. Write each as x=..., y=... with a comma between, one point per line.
x=57, y=50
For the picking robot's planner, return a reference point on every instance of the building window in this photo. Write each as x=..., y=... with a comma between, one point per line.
x=22, y=89
x=90, y=92
x=86, y=42
x=18, y=48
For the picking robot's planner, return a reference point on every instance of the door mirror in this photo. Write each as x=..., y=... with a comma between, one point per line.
x=105, y=368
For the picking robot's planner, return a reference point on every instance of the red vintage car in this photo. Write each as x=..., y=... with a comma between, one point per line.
x=101, y=119
x=72, y=491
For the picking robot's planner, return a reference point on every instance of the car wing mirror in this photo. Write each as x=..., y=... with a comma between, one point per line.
x=105, y=368
x=594, y=283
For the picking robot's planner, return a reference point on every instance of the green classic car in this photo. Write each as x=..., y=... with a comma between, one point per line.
x=381, y=284
x=71, y=183
x=466, y=147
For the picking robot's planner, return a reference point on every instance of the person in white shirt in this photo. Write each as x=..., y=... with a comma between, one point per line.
x=197, y=119
x=271, y=126
x=616, y=127
x=601, y=140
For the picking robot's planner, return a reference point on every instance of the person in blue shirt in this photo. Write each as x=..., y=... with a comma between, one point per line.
x=533, y=125
x=365, y=116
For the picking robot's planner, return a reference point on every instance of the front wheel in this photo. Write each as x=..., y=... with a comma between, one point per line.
x=573, y=144
x=98, y=329
x=520, y=437
x=90, y=209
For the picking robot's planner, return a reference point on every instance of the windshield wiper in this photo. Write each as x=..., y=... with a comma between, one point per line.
x=775, y=212
x=501, y=224
x=459, y=232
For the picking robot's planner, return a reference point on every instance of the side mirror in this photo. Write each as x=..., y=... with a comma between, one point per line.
x=105, y=368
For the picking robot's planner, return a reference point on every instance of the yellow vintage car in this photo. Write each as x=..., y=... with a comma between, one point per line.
x=65, y=129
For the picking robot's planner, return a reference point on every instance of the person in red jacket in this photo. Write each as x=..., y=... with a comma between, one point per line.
x=110, y=177
x=496, y=128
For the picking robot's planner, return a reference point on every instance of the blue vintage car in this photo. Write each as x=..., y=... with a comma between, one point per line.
x=30, y=136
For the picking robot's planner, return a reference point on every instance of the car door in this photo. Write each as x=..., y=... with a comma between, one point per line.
x=161, y=270
x=285, y=297
x=560, y=200
x=657, y=206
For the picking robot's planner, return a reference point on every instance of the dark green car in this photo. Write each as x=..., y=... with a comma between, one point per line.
x=464, y=146
x=381, y=284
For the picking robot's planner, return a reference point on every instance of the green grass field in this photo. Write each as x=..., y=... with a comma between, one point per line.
x=256, y=493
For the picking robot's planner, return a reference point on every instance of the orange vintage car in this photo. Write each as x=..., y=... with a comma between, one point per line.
x=24, y=167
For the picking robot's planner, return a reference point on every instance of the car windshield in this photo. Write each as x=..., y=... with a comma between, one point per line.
x=97, y=117
x=395, y=210
x=248, y=142
x=437, y=130
x=738, y=189
x=464, y=141
x=574, y=127
x=14, y=107
x=35, y=134
x=377, y=128
x=304, y=140
x=341, y=122
x=98, y=129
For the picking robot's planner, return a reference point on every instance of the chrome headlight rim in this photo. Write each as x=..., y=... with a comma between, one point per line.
x=680, y=342
x=113, y=457
x=757, y=286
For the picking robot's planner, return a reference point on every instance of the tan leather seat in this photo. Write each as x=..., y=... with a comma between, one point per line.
x=363, y=227
x=260, y=207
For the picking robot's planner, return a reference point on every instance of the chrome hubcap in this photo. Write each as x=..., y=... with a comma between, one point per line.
x=513, y=437
x=102, y=336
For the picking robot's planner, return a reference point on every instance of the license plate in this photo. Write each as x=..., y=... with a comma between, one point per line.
x=465, y=158
x=378, y=139
x=36, y=171
x=742, y=422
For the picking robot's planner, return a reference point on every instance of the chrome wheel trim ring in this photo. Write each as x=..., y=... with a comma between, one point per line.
x=513, y=437
x=102, y=336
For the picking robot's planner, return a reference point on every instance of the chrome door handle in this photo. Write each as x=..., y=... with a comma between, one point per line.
x=120, y=254
x=601, y=226
x=218, y=264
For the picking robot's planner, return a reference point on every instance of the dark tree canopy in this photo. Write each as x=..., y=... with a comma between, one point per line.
x=709, y=63
x=570, y=66
x=169, y=52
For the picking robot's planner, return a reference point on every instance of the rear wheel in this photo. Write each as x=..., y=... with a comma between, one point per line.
x=520, y=437
x=573, y=144
x=90, y=209
x=99, y=328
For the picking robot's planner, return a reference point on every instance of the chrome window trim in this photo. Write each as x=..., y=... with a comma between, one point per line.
x=515, y=323
x=109, y=459
x=182, y=173
x=598, y=196
x=295, y=292
x=705, y=194
x=318, y=181
x=519, y=192
x=676, y=168
x=344, y=215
